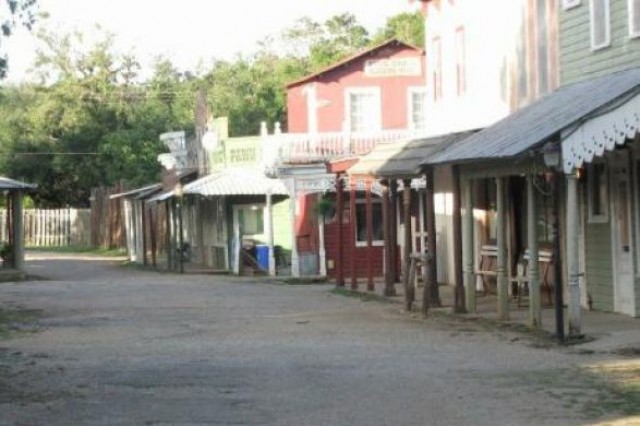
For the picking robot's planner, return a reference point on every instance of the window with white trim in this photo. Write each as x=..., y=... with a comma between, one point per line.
x=461, y=67
x=568, y=4
x=436, y=73
x=363, y=109
x=598, y=194
x=417, y=99
x=600, y=24
x=361, y=222
x=634, y=18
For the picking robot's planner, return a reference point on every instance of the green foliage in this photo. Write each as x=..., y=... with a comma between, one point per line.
x=91, y=120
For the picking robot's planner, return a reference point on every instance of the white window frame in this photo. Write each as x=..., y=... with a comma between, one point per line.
x=374, y=243
x=570, y=4
x=437, y=69
x=607, y=18
x=461, y=60
x=604, y=216
x=410, y=92
x=633, y=32
x=376, y=92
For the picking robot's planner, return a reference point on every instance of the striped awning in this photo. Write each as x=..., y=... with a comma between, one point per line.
x=236, y=182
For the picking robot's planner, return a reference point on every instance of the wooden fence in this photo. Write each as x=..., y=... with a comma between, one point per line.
x=52, y=227
x=107, y=224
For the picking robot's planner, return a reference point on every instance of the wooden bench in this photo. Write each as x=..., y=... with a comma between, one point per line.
x=545, y=263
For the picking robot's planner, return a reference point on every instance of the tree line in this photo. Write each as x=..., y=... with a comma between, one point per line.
x=91, y=120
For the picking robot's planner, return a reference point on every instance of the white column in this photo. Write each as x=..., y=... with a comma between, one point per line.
x=295, y=261
x=269, y=223
x=322, y=251
x=501, y=270
x=535, y=316
x=468, y=242
x=573, y=255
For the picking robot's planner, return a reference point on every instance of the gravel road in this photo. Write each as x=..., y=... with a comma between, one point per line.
x=120, y=346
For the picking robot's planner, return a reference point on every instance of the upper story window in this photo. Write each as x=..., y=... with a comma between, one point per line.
x=634, y=18
x=600, y=24
x=461, y=67
x=363, y=107
x=436, y=68
x=417, y=108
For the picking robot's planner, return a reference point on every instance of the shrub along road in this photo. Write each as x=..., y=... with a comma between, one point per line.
x=121, y=346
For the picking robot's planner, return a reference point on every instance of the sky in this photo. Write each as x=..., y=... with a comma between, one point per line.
x=188, y=31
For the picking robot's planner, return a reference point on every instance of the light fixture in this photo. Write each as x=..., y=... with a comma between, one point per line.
x=551, y=155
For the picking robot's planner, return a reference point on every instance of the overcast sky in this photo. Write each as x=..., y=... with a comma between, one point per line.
x=189, y=30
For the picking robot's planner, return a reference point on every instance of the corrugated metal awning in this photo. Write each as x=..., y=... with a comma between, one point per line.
x=403, y=159
x=9, y=184
x=137, y=192
x=541, y=121
x=236, y=182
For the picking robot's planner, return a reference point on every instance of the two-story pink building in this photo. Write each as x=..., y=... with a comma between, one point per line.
x=343, y=111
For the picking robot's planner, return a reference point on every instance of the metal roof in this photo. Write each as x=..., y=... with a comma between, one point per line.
x=542, y=120
x=400, y=159
x=134, y=193
x=236, y=182
x=8, y=183
x=162, y=196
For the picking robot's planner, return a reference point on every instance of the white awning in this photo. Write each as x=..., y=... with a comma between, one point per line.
x=236, y=182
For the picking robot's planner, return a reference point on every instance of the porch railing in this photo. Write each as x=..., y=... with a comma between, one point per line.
x=292, y=148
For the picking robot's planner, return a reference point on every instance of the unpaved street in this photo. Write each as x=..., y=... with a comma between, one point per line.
x=120, y=346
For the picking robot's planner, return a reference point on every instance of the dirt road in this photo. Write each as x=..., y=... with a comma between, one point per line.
x=119, y=346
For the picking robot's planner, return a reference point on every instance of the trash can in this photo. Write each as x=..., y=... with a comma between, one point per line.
x=262, y=256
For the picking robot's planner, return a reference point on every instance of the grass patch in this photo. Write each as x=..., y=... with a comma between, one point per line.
x=365, y=297
x=98, y=251
x=15, y=320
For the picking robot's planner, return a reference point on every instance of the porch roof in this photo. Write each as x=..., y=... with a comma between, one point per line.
x=541, y=121
x=403, y=159
x=12, y=184
x=236, y=182
x=135, y=193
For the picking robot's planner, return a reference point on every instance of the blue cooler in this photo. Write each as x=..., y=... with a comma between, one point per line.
x=262, y=256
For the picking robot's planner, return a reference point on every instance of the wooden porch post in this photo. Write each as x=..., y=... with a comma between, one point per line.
x=406, y=206
x=393, y=205
x=169, y=234
x=573, y=255
x=154, y=235
x=18, y=230
x=352, y=231
x=143, y=217
x=459, y=294
x=369, y=220
x=340, y=208
x=432, y=276
x=389, y=289
x=269, y=224
x=535, y=315
x=295, y=259
x=469, y=264
x=501, y=270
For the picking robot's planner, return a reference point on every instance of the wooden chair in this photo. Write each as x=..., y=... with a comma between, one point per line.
x=545, y=263
x=487, y=265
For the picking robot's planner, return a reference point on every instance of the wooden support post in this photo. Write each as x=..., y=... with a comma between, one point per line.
x=154, y=235
x=369, y=223
x=295, y=258
x=408, y=270
x=18, y=230
x=533, y=268
x=269, y=224
x=389, y=288
x=432, y=270
x=143, y=220
x=573, y=256
x=340, y=206
x=180, y=234
x=501, y=269
x=393, y=206
x=169, y=234
x=468, y=240
x=352, y=232
x=459, y=295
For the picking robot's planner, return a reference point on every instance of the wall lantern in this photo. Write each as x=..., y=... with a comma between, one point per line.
x=552, y=155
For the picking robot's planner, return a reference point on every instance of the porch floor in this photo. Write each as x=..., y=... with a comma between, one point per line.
x=605, y=331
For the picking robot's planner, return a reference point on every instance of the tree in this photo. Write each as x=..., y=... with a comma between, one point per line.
x=406, y=27
x=12, y=14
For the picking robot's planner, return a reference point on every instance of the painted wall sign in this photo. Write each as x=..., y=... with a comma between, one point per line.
x=393, y=67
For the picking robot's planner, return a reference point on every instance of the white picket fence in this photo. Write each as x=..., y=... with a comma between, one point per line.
x=52, y=227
